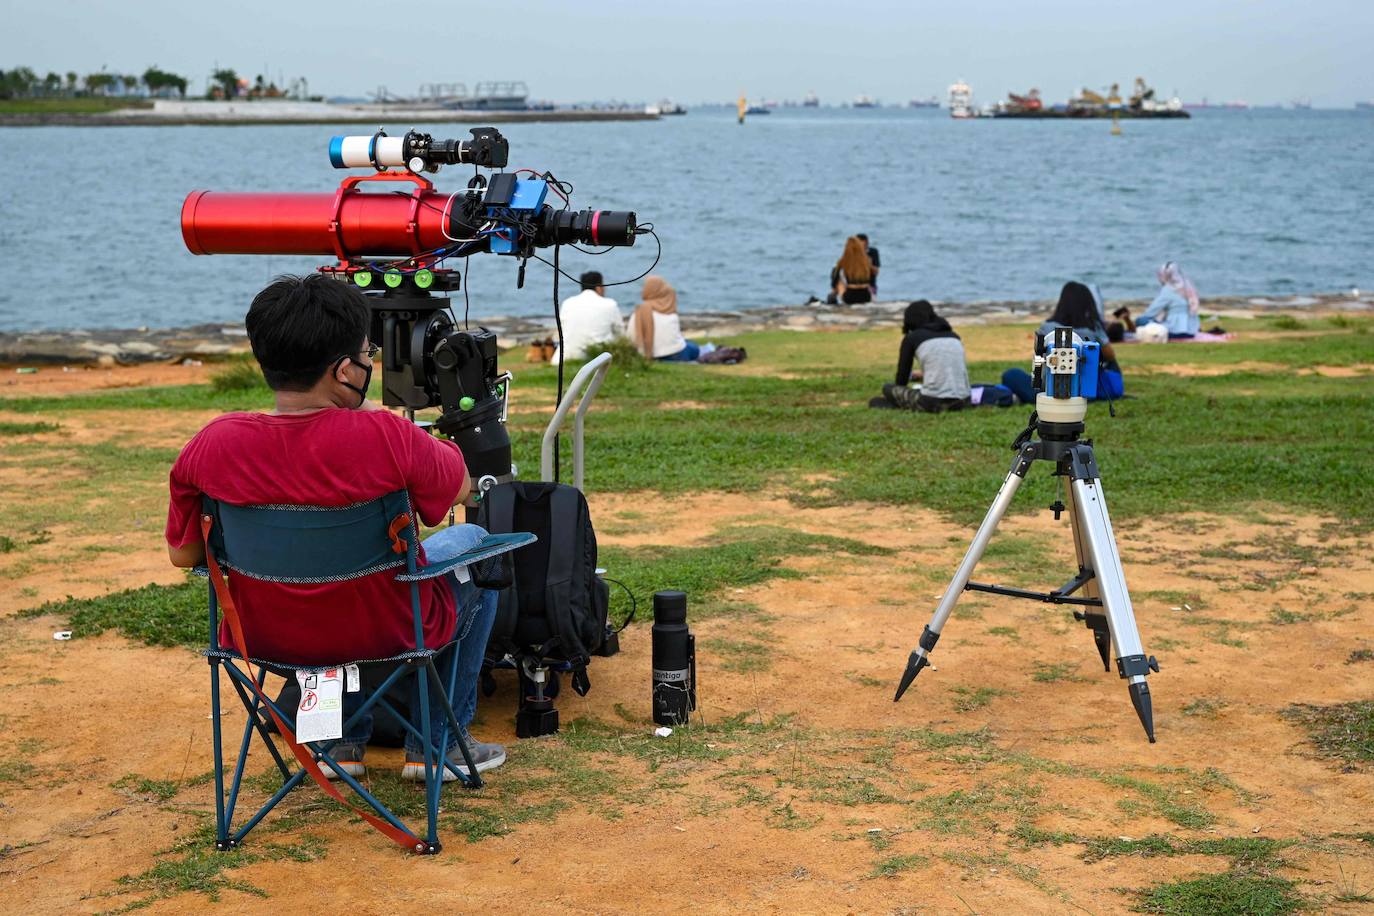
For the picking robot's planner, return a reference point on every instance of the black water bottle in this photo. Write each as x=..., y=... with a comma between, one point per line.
x=675, y=660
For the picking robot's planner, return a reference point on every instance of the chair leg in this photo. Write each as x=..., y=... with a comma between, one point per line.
x=222, y=841
x=434, y=772
x=476, y=780
x=259, y=720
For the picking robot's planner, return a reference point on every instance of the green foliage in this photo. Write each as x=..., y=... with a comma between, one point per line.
x=1360, y=655
x=1228, y=894
x=1344, y=731
x=160, y=615
x=625, y=357
x=152, y=789
x=1287, y=323
x=1204, y=708
x=971, y=698
x=734, y=558
x=11, y=428
x=239, y=374
x=195, y=866
x=84, y=105
x=1053, y=672
x=887, y=868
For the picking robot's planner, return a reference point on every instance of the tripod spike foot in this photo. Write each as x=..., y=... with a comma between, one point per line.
x=1140, y=699
x=914, y=664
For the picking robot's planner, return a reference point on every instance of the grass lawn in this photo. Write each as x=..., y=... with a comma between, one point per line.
x=90, y=105
x=1277, y=422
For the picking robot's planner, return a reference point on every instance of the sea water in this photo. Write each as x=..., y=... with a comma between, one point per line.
x=1258, y=202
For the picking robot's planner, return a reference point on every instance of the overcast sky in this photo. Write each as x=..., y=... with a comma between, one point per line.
x=1262, y=51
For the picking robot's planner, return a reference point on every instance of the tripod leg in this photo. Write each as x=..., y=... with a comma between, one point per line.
x=1095, y=620
x=931, y=634
x=1091, y=505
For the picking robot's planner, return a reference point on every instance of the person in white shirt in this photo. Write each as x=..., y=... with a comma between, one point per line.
x=589, y=318
x=654, y=327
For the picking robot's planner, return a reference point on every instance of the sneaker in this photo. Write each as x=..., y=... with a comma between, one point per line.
x=349, y=758
x=484, y=757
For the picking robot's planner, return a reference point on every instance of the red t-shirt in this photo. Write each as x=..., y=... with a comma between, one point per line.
x=333, y=457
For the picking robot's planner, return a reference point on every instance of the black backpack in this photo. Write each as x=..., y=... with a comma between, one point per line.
x=555, y=609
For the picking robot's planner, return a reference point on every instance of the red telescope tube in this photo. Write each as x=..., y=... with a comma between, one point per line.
x=346, y=224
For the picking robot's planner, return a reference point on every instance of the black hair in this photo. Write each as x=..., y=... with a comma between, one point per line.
x=860, y=235
x=300, y=326
x=1116, y=331
x=918, y=314
x=1077, y=308
x=591, y=279
x=921, y=314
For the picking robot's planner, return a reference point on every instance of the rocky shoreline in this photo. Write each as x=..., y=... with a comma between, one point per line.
x=125, y=346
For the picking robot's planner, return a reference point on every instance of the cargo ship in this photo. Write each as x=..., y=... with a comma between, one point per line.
x=1089, y=104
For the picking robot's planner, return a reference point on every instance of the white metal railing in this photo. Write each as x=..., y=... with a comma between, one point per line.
x=589, y=377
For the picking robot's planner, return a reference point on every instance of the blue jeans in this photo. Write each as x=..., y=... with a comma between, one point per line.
x=475, y=611
x=687, y=354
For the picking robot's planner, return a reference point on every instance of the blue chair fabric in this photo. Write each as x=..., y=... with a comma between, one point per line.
x=312, y=544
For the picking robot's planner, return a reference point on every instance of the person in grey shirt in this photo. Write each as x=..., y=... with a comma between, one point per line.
x=929, y=340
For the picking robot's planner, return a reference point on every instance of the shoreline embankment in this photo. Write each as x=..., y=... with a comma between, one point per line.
x=126, y=346
x=165, y=113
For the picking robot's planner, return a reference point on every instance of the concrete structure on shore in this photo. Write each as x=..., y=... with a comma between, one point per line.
x=141, y=345
x=166, y=112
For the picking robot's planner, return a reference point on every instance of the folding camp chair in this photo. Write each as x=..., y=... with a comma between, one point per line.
x=314, y=544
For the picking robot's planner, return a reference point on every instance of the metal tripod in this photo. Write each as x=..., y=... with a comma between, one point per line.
x=1100, y=586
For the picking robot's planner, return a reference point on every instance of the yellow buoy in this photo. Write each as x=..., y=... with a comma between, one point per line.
x=743, y=107
x=1116, y=124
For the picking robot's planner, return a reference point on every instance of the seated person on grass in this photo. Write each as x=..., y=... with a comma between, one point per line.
x=326, y=444
x=1078, y=310
x=928, y=338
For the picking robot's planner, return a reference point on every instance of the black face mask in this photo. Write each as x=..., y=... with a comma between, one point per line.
x=367, y=380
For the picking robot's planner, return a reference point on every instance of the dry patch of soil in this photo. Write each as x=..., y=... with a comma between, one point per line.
x=1246, y=616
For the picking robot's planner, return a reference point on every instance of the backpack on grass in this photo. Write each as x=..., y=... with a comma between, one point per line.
x=556, y=607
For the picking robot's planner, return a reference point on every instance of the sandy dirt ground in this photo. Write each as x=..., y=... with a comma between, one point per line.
x=1247, y=615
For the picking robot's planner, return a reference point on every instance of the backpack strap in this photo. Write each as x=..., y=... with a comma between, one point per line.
x=498, y=508
x=402, y=838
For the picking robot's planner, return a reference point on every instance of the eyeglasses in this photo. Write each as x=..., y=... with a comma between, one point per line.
x=371, y=351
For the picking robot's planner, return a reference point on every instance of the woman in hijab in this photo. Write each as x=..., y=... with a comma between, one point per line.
x=928, y=338
x=852, y=277
x=654, y=327
x=1077, y=309
x=1175, y=307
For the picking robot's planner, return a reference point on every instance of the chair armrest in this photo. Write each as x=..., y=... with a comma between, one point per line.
x=490, y=546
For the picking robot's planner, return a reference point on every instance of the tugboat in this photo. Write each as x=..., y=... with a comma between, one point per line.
x=864, y=101
x=811, y=101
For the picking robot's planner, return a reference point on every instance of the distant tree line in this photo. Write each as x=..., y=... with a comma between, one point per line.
x=225, y=83
x=23, y=82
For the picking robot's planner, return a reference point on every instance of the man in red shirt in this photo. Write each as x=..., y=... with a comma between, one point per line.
x=326, y=444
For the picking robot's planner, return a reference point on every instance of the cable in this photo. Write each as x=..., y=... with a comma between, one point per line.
x=634, y=605
x=647, y=271
x=467, y=300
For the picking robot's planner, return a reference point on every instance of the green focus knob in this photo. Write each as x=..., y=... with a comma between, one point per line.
x=466, y=403
x=392, y=278
x=363, y=278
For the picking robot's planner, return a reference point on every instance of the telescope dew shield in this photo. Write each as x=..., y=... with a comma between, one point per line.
x=674, y=660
